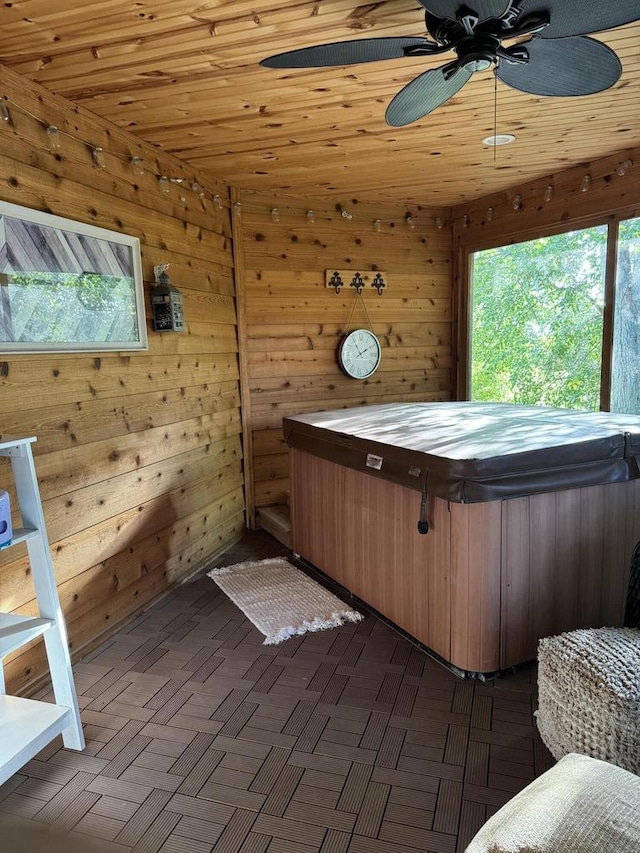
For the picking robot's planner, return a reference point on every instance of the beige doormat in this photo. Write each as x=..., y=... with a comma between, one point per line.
x=280, y=600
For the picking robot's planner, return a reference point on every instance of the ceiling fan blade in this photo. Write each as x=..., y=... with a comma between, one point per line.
x=350, y=52
x=450, y=8
x=424, y=94
x=577, y=18
x=563, y=67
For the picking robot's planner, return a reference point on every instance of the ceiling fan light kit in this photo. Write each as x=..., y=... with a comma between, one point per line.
x=551, y=56
x=499, y=139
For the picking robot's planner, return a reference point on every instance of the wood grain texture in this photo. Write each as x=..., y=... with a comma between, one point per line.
x=295, y=323
x=139, y=455
x=489, y=579
x=187, y=79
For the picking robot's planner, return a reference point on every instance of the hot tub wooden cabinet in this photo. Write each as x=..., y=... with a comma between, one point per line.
x=533, y=513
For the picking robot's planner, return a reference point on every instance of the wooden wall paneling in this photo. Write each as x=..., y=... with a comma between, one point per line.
x=306, y=337
x=68, y=514
x=60, y=427
x=40, y=189
x=79, y=551
x=272, y=492
x=295, y=323
x=609, y=195
x=154, y=552
x=269, y=415
x=115, y=535
x=271, y=390
x=245, y=394
x=77, y=378
x=138, y=454
x=271, y=467
x=269, y=443
x=476, y=564
x=68, y=470
x=72, y=165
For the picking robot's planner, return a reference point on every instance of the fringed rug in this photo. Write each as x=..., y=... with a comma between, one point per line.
x=280, y=600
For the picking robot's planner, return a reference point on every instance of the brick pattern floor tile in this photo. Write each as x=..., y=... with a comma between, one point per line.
x=203, y=740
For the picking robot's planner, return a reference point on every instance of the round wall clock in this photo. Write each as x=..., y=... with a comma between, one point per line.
x=359, y=353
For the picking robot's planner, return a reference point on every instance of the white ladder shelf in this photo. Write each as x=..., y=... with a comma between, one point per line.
x=26, y=726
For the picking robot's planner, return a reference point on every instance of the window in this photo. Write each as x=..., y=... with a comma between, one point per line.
x=537, y=321
x=67, y=286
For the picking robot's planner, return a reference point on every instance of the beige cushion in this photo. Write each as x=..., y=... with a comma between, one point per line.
x=582, y=805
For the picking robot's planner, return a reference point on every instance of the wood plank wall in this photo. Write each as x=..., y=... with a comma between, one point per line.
x=549, y=205
x=294, y=322
x=138, y=454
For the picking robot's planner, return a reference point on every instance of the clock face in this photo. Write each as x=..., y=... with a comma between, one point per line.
x=359, y=354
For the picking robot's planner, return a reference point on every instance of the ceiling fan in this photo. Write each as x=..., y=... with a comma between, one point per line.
x=557, y=60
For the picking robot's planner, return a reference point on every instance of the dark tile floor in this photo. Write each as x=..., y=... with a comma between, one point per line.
x=201, y=739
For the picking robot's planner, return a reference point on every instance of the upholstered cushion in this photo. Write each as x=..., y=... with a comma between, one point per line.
x=582, y=805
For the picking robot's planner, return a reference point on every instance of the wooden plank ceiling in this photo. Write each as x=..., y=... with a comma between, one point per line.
x=184, y=75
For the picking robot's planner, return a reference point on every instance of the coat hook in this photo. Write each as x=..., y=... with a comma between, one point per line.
x=358, y=283
x=379, y=283
x=336, y=281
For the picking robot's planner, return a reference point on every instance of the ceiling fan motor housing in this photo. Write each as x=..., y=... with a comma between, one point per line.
x=478, y=52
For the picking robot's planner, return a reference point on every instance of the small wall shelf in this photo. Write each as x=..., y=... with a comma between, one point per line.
x=26, y=726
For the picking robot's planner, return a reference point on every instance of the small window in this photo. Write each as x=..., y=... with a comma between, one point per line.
x=67, y=286
x=537, y=321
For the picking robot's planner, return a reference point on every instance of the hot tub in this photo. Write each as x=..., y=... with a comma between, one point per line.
x=532, y=514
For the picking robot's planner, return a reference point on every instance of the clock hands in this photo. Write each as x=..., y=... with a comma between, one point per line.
x=365, y=350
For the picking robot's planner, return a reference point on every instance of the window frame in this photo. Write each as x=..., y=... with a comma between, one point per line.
x=463, y=301
x=132, y=244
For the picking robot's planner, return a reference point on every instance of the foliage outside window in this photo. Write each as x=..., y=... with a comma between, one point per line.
x=537, y=320
x=625, y=373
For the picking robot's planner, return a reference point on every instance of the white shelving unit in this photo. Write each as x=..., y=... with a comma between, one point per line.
x=26, y=726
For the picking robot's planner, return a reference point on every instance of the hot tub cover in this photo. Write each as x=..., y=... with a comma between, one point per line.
x=469, y=452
